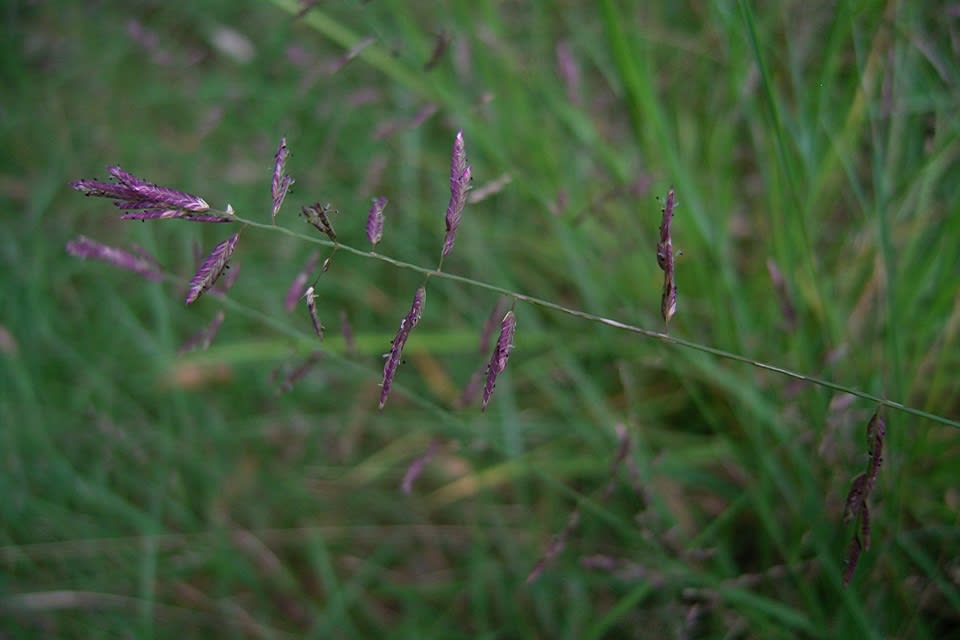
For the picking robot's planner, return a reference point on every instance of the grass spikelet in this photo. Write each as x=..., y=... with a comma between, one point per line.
x=83, y=247
x=556, y=546
x=311, y=296
x=460, y=173
x=854, y=502
x=298, y=373
x=296, y=287
x=418, y=465
x=876, y=432
x=212, y=268
x=131, y=192
x=281, y=181
x=317, y=215
x=665, y=260
x=346, y=330
x=201, y=340
x=396, y=346
x=375, y=220
x=498, y=361
x=852, y=558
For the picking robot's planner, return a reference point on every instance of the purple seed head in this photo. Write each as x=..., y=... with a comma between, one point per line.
x=460, y=174
x=281, y=181
x=498, y=361
x=396, y=346
x=212, y=268
x=375, y=220
x=84, y=247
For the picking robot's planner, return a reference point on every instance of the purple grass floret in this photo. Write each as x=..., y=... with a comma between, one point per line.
x=297, y=374
x=212, y=268
x=418, y=465
x=423, y=115
x=498, y=361
x=311, y=296
x=375, y=220
x=201, y=340
x=346, y=330
x=396, y=346
x=556, y=546
x=459, y=185
x=281, y=181
x=132, y=192
x=296, y=287
x=84, y=247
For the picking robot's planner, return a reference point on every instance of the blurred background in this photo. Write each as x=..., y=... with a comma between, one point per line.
x=641, y=488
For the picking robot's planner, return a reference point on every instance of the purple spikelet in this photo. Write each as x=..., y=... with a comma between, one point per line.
x=131, y=192
x=418, y=465
x=375, y=220
x=202, y=339
x=396, y=346
x=212, y=268
x=281, y=181
x=459, y=185
x=296, y=287
x=498, y=361
x=84, y=247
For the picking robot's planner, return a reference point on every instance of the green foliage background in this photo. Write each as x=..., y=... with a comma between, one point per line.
x=150, y=495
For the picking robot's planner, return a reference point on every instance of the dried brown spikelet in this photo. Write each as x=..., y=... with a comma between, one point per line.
x=311, y=296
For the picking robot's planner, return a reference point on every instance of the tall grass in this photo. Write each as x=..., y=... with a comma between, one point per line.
x=150, y=494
